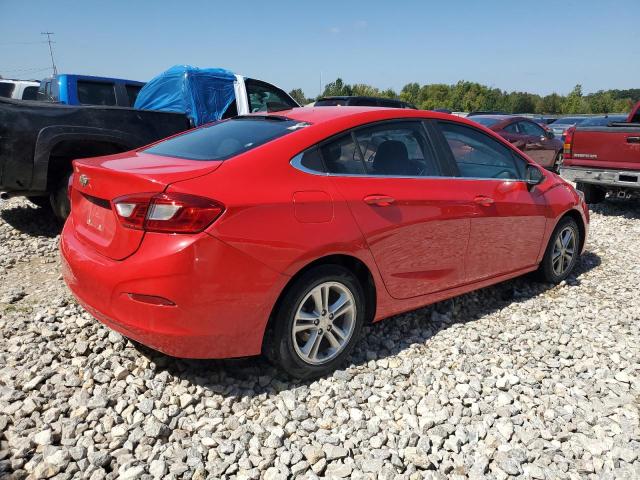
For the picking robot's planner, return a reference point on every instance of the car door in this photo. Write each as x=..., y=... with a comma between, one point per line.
x=509, y=221
x=412, y=222
x=538, y=146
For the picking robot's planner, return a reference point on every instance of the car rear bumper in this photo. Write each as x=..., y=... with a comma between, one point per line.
x=222, y=297
x=601, y=176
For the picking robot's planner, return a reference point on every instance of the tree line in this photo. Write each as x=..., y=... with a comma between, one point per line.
x=470, y=96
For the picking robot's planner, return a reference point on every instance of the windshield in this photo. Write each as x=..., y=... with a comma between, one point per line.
x=222, y=140
x=486, y=121
x=331, y=102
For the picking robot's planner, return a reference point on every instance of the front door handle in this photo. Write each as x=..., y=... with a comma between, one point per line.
x=484, y=201
x=379, y=200
x=633, y=139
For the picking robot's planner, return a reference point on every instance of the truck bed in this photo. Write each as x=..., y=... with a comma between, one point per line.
x=30, y=132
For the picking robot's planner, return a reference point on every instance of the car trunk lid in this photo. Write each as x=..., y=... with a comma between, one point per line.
x=98, y=181
x=606, y=147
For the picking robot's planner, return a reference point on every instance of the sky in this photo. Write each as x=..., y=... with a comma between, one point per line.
x=537, y=45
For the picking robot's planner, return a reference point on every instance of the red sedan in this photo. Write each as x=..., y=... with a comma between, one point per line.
x=538, y=142
x=285, y=233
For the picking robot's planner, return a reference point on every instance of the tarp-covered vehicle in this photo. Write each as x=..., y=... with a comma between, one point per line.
x=40, y=139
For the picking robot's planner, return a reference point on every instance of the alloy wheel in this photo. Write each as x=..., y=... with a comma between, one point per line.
x=324, y=323
x=564, y=251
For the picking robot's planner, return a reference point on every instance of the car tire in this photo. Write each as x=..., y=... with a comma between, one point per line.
x=562, y=253
x=556, y=163
x=294, y=352
x=60, y=199
x=592, y=193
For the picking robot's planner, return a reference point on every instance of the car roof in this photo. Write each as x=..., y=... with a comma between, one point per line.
x=317, y=115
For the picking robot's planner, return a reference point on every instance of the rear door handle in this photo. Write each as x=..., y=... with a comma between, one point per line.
x=484, y=201
x=379, y=200
x=633, y=139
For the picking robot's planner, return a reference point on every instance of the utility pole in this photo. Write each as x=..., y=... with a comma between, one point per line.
x=53, y=63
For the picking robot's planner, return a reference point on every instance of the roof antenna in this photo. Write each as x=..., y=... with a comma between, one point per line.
x=53, y=63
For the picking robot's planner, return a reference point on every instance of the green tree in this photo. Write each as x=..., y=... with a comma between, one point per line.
x=298, y=95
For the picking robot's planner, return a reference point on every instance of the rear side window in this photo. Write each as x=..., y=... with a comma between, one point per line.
x=96, y=93
x=398, y=149
x=132, y=93
x=29, y=93
x=222, y=140
x=6, y=89
x=480, y=156
x=342, y=156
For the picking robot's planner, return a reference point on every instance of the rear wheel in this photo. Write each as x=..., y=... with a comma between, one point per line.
x=41, y=202
x=592, y=193
x=60, y=199
x=318, y=322
x=562, y=252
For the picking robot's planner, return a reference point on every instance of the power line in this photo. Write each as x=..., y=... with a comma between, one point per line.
x=53, y=63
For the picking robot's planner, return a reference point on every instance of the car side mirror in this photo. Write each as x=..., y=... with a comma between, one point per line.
x=549, y=134
x=533, y=176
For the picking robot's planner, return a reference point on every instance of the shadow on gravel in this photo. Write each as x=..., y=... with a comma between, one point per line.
x=255, y=376
x=38, y=222
x=613, y=207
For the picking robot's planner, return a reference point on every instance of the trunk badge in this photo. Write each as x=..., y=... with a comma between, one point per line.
x=84, y=180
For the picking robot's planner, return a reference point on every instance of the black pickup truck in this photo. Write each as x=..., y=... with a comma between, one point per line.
x=38, y=141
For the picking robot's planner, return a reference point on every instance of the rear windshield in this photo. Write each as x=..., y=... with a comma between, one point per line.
x=6, y=89
x=486, y=121
x=222, y=140
x=331, y=102
x=603, y=121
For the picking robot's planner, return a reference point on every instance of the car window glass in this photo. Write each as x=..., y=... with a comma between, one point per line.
x=267, y=98
x=396, y=149
x=511, y=128
x=6, y=89
x=29, y=93
x=96, y=93
x=342, y=156
x=478, y=155
x=530, y=128
x=132, y=93
x=312, y=160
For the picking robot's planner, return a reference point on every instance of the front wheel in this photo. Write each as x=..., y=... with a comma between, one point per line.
x=317, y=323
x=557, y=163
x=562, y=252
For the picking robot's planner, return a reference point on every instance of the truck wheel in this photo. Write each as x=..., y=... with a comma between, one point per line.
x=60, y=200
x=592, y=193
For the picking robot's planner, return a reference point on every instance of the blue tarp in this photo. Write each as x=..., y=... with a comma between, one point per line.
x=203, y=94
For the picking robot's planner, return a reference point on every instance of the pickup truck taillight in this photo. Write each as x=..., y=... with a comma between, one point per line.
x=568, y=142
x=166, y=212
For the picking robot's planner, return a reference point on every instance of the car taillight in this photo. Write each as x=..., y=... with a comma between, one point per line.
x=568, y=141
x=166, y=212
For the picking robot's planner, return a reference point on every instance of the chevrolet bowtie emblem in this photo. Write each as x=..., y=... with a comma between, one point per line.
x=84, y=180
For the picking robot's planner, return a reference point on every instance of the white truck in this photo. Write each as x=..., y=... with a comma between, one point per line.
x=19, y=89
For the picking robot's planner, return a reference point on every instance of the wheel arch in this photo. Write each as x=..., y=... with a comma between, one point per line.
x=577, y=216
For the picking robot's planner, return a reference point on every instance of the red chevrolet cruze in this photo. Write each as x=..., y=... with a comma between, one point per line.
x=285, y=233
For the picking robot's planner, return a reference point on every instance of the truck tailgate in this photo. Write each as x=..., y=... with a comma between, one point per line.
x=606, y=147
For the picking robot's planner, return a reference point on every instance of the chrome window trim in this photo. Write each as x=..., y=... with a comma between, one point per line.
x=296, y=163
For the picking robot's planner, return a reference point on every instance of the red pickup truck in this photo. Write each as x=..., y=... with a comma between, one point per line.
x=604, y=160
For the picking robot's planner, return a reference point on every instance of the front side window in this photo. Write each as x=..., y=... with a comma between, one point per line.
x=512, y=128
x=222, y=140
x=399, y=149
x=264, y=97
x=479, y=156
x=530, y=128
x=96, y=93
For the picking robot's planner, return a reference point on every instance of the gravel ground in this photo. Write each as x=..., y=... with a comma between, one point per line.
x=521, y=379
